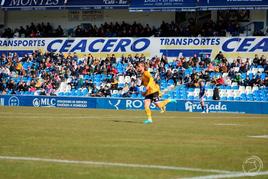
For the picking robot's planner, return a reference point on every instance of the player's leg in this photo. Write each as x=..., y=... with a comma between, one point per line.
x=162, y=104
x=202, y=103
x=147, y=103
x=157, y=102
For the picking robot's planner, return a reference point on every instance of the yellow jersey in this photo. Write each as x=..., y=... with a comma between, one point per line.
x=148, y=81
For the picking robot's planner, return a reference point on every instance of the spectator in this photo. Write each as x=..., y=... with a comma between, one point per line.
x=238, y=79
x=223, y=68
x=256, y=60
x=125, y=91
x=265, y=82
x=134, y=89
x=219, y=57
x=219, y=81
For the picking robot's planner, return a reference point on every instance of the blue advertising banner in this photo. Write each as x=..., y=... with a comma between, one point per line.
x=162, y=5
x=96, y=4
x=233, y=4
x=80, y=4
x=136, y=5
x=132, y=104
x=48, y=101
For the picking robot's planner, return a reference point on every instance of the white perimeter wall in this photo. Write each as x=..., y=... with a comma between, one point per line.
x=56, y=17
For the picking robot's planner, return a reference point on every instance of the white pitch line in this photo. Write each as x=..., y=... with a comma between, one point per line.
x=72, y=117
x=260, y=136
x=229, y=124
x=161, y=167
x=232, y=175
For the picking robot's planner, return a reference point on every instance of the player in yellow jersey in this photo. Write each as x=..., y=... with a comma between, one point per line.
x=152, y=92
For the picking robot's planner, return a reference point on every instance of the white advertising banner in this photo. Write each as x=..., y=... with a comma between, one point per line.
x=232, y=47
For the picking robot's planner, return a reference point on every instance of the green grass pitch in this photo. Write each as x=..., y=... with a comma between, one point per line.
x=194, y=144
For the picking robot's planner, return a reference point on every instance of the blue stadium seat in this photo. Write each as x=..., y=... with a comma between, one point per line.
x=250, y=95
x=121, y=85
x=85, y=92
x=243, y=98
x=250, y=75
x=190, y=90
x=190, y=97
x=97, y=80
x=230, y=98
x=222, y=87
x=165, y=96
x=79, y=93
x=61, y=94
x=139, y=95
x=114, y=95
x=237, y=98
x=243, y=76
x=235, y=87
x=171, y=82
x=164, y=85
x=257, y=99
x=263, y=76
x=196, y=98
x=224, y=98
x=86, y=77
x=209, y=98
x=133, y=96
x=249, y=98
x=209, y=87
x=198, y=69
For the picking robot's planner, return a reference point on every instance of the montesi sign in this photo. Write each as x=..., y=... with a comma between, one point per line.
x=19, y=3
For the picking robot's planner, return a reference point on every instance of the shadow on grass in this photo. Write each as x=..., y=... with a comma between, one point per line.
x=133, y=122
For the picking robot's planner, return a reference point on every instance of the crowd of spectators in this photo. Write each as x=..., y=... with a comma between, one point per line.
x=34, y=30
x=46, y=74
x=123, y=29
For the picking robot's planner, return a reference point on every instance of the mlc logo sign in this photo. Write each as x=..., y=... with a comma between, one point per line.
x=44, y=102
x=36, y=102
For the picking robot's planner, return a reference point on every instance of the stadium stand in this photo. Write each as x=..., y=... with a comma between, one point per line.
x=123, y=29
x=33, y=30
x=58, y=75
